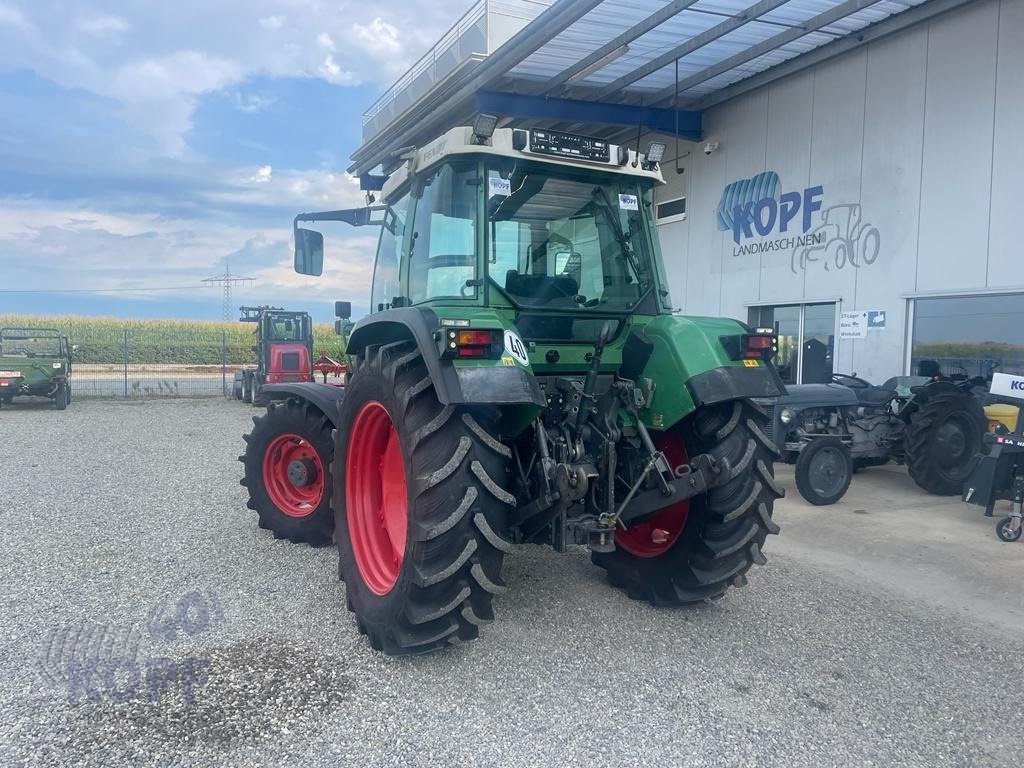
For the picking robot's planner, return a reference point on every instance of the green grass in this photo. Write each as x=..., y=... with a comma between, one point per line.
x=101, y=340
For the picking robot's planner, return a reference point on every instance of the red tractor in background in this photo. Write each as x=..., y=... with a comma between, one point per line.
x=284, y=353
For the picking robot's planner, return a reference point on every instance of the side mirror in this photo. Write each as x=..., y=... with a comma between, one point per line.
x=343, y=309
x=309, y=252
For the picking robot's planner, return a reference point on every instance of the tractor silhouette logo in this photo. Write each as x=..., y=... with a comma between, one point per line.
x=848, y=241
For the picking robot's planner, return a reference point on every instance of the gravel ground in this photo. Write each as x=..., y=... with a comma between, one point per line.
x=134, y=575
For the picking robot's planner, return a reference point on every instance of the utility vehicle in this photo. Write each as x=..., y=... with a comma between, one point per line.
x=37, y=362
x=521, y=377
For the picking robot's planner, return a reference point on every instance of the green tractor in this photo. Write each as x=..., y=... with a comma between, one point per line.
x=35, y=362
x=521, y=378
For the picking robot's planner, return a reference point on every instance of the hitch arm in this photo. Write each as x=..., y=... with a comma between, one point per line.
x=701, y=475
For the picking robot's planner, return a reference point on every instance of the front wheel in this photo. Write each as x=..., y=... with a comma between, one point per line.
x=421, y=506
x=823, y=471
x=287, y=463
x=695, y=550
x=63, y=397
x=1009, y=529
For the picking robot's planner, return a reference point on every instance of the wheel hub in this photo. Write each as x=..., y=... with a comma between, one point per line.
x=293, y=475
x=302, y=472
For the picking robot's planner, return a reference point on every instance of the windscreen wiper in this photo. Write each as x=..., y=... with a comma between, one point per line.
x=623, y=237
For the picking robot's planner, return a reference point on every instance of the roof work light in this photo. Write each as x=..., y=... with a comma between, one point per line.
x=483, y=128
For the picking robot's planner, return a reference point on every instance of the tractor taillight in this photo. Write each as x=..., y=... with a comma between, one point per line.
x=463, y=344
x=473, y=338
x=757, y=346
x=760, y=345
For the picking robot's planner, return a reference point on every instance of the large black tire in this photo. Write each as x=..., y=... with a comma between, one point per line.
x=310, y=522
x=725, y=528
x=823, y=471
x=456, y=506
x=62, y=397
x=247, y=389
x=942, y=440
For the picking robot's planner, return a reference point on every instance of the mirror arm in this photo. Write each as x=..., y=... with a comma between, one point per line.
x=357, y=217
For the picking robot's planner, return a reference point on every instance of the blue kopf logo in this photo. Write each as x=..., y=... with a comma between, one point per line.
x=757, y=206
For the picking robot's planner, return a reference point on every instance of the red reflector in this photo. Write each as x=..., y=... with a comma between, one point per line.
x=4, y=382
x=759, y=342
x=472, y=351
x=474, y=337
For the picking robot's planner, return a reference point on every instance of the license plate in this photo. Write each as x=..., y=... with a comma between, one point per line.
x=9, y=374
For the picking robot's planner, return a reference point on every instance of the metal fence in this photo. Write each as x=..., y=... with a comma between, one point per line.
x=140, y=364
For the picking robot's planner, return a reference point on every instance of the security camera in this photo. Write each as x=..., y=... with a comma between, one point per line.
x=710, y=147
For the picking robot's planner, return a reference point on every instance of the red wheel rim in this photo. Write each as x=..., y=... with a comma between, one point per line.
x=375, y=497
x=293, y=475
x=657, y=534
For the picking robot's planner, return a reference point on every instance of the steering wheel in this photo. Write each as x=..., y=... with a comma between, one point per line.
x=848, y=380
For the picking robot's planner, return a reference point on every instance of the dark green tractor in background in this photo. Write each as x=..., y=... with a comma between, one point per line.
x=521, y=378
x=35, y=362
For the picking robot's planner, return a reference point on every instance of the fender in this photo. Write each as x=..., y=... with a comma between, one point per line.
x=324, y=396
x=485, y=384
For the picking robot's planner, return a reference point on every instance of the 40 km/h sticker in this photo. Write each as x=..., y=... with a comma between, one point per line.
x=515, y=347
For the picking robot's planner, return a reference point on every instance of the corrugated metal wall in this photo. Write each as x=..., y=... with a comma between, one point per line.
x=918, y=137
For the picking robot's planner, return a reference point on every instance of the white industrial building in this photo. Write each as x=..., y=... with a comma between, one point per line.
x=873, y=148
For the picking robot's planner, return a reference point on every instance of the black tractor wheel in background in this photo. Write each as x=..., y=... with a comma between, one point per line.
x=421, y=506
x=236, y=388
x=62, y=397
x=697, y=549
x=287, y=472
x=942, y=440
x=1005, y=532
x=823, y=471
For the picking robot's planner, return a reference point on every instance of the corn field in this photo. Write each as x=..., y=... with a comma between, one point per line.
x=108, y=341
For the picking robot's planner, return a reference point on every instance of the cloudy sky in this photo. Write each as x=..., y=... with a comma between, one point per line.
x=145, y=143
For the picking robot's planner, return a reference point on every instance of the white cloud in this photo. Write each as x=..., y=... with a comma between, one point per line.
x=272, y=23
x=12, y=16
x=262, y=175
x=103, y=26
x=324, y=41
x=378, y=37
x=332, y=73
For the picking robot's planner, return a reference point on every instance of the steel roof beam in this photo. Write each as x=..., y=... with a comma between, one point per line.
x=426, y=115
x=631, y=34
x=591, y=112
x=814, y=23
x=692, y=44
x=888, y=26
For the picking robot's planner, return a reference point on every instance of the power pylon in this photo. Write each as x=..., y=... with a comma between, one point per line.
x=227, y=280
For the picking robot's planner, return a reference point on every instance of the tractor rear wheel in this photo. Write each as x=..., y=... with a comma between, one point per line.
x=287, y=463
x=942, y=440
x=695, y=550
x=421, y=506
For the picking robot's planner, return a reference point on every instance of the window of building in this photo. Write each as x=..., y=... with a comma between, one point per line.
x=967, y=335
x=670, y=210
x=806, y=339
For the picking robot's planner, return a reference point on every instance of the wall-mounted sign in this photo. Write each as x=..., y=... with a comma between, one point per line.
x=835, y=237
x=856, y=323
x=853, y=325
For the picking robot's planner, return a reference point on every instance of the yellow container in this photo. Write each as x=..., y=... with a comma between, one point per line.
x=999, y=413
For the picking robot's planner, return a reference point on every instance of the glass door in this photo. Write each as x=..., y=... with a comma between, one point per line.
x=806, y=339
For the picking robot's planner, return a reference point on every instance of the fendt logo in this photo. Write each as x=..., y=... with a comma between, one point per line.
x=756, y=205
